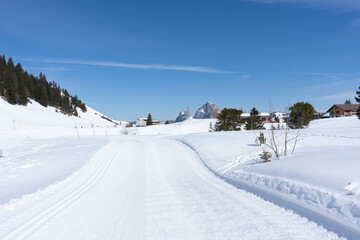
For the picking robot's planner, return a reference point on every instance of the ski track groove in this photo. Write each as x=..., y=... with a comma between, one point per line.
x=158, y=189
x=117, y=229
x=28, y=227
x=205, y=184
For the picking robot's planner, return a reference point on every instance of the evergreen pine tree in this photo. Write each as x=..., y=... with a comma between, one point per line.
x=300, y=115
x=30, y=86
x=358, y=100
x=229, y=120
x=2, y=73
x=265, y=156
x=2, y=83
x=43, y=98
x=261, y=139
x=51, y=94
x=75, y=100
x=10, y=88
x=10, y=64
x=254, y=122
x=149, y=120
x=83, y=107
x=23, y=100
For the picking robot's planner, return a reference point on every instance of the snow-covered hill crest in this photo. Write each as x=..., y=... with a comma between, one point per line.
x=36, y=118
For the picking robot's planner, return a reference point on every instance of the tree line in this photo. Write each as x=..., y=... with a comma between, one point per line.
x=230, y=118
x=357, y=99
x=17, y=86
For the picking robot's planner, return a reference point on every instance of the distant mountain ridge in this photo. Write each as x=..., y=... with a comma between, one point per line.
x=208, y=110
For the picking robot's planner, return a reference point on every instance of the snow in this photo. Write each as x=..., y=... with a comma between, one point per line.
x=160, y=192
x=261, y=114
x=33, y=164
x=174, y=181
x=186, y=127
x=323, y=173
x=35, y=120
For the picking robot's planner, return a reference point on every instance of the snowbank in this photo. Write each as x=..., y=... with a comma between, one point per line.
x=322, y=174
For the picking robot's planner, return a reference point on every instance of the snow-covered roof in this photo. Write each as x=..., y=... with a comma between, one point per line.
x=261, y=114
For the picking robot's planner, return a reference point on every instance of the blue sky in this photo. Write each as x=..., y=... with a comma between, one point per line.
x=129, y=58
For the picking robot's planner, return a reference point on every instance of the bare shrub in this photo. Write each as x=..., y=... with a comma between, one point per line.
x=280, y=140
x=126, y=131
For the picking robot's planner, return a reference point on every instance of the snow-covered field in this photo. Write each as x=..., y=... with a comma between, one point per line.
x=320, y=180
x=175, y=181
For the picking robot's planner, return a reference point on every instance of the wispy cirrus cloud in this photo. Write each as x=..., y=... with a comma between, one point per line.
x=49, y=68
x=339, y=96
x=126, y=65
x=244, y=76
x=337, y=5
x=327, y=75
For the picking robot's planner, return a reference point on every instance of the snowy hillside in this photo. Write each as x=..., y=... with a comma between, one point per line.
x=34, y=120
x=31, y=163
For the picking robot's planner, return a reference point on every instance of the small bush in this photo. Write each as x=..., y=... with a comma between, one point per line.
x=265, y=156
x=260, y=140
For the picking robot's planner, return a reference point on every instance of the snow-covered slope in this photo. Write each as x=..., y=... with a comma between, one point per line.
x=321, y=176
x=34, y=120
x=186, y=127
x=31, y=162
x=36, y=115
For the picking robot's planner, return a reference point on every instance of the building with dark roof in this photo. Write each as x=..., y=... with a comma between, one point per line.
x=343, y=110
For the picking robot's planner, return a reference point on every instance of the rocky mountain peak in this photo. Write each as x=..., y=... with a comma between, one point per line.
x=208, y=110
x=183, y=115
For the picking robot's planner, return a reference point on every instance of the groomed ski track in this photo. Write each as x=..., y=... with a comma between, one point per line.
x=149, y=188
